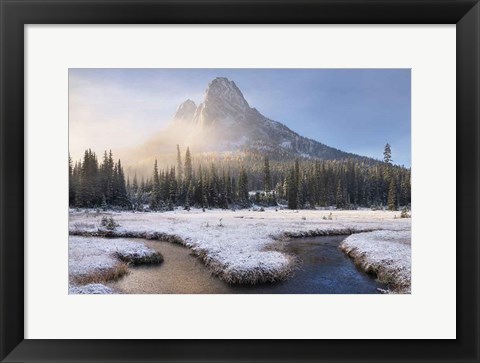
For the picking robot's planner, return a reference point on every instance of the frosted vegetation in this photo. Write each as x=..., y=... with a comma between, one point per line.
x=387, y=254
x=98, y=260
x=91, y=289
x=237, y=246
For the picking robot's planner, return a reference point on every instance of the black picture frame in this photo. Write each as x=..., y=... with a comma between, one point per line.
x=16, y=13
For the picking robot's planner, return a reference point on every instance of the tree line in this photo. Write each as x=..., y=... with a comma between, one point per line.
x=93, y=184
x=240, y=182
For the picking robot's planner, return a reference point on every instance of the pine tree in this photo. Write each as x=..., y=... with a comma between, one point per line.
x=155, y=200
x=301, y=192
x=173, y=187
x=234, y=189
x=286, y=186
x=392, y=191
x=188, y=197
x=165, y=185
x=223, y=191
x=228, y=188
x=179, y=165
x=89, y=192
x=121, y=190
x=267, y=180
x=71, y=184
x=188, y=167
x=75, y=181
x=297, y=173
x=135, y=193
x=243, y=187
x=135, y=183
x=340, y=200
x=104, y=203
x=292, y=189
x=199, y=192
x=108, y=166
x=115, y=187
x=405, y=190
x=387, y=154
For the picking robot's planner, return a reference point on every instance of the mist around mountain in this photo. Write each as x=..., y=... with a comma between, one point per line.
x=224, y=125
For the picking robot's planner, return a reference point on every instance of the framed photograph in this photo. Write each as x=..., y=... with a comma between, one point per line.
x=240, y=181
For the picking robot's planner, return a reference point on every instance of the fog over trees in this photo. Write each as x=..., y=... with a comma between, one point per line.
x=207, y=181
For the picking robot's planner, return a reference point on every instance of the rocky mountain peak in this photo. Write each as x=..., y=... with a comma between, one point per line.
x=224, y=121
x=222, y=91
x=185, y=111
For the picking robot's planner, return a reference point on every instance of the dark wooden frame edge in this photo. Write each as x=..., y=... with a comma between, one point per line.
x=15, y=14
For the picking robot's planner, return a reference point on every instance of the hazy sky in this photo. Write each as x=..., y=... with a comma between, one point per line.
x=355, y=110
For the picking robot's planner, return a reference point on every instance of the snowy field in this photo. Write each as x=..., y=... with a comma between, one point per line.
x=387, y=254
x=239, y=246
x=95, y=260
x=90, y=289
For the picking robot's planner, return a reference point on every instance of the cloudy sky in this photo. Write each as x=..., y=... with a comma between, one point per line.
x=355, y=110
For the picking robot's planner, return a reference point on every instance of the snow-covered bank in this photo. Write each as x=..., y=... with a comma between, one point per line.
x=90, y=289
x=95, y=260
x=238, y=246
x=384, y=253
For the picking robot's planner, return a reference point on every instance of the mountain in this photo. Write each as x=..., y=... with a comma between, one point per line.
x=224, y=121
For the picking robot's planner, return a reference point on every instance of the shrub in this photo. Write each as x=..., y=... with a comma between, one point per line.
x=109, y=223
x=404, y=213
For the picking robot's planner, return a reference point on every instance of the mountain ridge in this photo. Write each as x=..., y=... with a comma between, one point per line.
x=226, y=122
x=225, y=126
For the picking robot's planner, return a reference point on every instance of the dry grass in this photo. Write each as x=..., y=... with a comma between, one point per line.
x=258, y=275
x=224, y=272
x=103, y=275
x=323, y=232
x=128, y=234
x=80, y=225
x=134, y=259
x=395, y=279
x=118, y=267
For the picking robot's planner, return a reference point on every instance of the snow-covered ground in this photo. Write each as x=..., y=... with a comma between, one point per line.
x=238, y=246
x=385, y=253
x=101, y=259
x=90, y=289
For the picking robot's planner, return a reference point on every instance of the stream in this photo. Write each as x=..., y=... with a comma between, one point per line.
x=323, y=269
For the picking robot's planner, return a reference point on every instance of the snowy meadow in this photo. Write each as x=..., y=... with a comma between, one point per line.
x=238, y=247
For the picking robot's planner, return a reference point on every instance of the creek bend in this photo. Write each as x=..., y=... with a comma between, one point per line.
x=322, y=269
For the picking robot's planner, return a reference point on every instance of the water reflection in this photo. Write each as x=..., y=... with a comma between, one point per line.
x=323, y=269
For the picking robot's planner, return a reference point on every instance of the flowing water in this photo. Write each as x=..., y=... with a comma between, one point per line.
x=323, y=269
